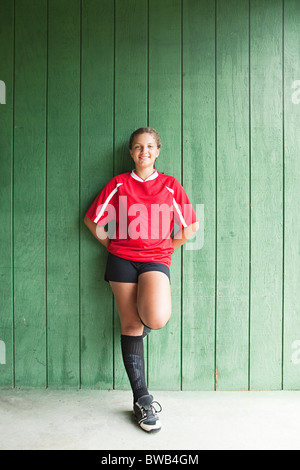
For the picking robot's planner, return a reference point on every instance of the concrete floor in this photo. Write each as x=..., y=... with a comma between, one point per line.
x=102, y=420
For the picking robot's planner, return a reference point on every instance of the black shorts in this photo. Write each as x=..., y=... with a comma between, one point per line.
x=123, y=270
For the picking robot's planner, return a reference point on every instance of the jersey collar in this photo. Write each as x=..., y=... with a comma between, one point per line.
x=150, y=178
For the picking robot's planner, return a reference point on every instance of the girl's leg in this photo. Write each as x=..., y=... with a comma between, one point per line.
x=131, y=339
x=125, y=295
x=154, y=303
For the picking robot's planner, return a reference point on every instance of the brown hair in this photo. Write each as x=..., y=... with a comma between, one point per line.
x=145, y=130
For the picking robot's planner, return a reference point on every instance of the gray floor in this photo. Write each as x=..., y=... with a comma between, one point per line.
x=102, y=420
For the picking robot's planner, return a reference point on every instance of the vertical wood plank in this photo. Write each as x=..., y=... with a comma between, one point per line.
x=198, y=351
x=130, y=110
x=165, y=116
x=232, y=194
x=29, y=193
x=291, y=371
x=63, y=193
x=266, y=195
x=6, y=190
x=96, y=170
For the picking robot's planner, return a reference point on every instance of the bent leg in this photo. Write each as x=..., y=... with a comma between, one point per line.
x=154, y=303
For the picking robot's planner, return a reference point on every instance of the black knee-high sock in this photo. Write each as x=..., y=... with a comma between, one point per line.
x=133, y=357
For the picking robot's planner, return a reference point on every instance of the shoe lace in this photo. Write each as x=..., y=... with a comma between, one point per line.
x=153, y=407
x=148, y=412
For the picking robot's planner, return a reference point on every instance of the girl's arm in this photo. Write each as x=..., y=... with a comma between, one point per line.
x=99, y=232
x=183, y=235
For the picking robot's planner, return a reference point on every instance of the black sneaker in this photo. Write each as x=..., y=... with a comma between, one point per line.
x=145, y=413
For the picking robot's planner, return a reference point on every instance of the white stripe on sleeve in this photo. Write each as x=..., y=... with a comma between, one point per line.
x=106, y=203
x=177, y=208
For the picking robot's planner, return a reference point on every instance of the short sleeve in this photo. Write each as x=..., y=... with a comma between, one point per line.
x=184, y=213
x=103, y=209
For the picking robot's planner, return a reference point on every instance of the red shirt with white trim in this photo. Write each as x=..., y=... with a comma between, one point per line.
x=141, y=214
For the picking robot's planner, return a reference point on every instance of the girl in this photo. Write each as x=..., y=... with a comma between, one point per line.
x=140, y=208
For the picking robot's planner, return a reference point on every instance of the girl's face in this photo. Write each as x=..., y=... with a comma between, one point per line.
x=144, y=151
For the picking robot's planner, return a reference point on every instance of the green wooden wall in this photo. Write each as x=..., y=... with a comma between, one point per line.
x=220, y=81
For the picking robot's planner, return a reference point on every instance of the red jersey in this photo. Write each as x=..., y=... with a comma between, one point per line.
x=141, y=214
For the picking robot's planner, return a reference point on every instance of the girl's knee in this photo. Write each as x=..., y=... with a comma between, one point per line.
x=157, y=322
x=130, y=330
x=132, y=327
x=159, y=325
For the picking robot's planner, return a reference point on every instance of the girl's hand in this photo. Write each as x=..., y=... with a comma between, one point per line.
x=99, y=232
x=183, y=235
